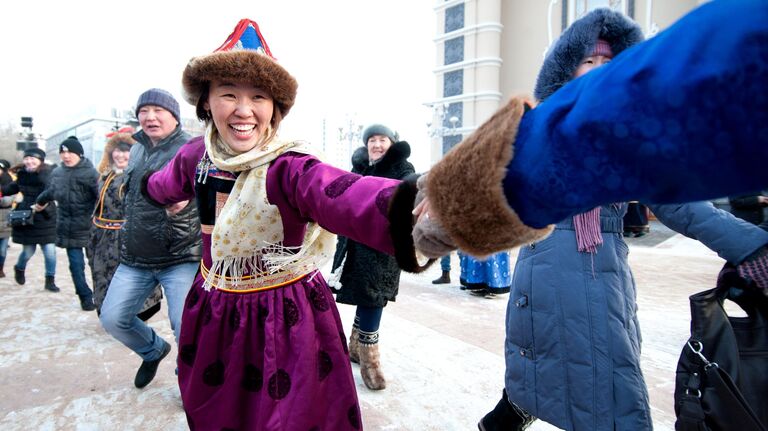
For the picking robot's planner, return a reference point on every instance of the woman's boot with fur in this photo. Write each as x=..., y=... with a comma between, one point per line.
x=505, y=417
x=354, y=345
x=370, y=367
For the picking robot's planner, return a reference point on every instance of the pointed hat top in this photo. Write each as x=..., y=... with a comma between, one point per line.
x=243, y=57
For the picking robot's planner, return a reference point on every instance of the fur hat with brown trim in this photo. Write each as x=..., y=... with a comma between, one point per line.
x=123, y=141
x=243, y=57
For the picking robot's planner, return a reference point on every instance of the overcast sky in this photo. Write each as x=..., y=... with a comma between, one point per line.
x=366, y=60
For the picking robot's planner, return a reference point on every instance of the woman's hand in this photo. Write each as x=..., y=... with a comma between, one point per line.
x=39, y=208
x=428, y=236
x=174, y=209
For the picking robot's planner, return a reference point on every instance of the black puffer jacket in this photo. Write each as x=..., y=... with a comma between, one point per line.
x=31, y=184
x=150, y=238
x=371, y=278
x=75, y=191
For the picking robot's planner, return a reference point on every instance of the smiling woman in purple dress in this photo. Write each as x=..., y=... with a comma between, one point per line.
x=261, y=344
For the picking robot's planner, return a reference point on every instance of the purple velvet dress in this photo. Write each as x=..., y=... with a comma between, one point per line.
x=274, y=359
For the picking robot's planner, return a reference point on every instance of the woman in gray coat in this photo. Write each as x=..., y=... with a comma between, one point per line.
x=573, y=338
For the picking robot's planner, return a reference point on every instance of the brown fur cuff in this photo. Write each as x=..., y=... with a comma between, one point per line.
x=401, y=225
x=466, y=193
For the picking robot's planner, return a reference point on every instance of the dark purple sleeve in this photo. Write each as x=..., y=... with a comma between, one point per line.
x=342, y=202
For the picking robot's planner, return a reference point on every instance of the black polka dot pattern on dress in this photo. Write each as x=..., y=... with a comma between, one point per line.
x=187, y=354
x=234, y=319
x=318, y=299
x=290, y=312
x=340, y=185
x=253, y=378
x=192, y=298
x=213, y=375
x=344, y=342
x=324, y=365
x=279, y=385
x=263, y=314
x=308, y=164
x=354, y=417
x=383, y=198
x=207, y=313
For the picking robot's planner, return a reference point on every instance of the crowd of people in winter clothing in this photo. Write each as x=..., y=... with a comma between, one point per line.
x=233, y=227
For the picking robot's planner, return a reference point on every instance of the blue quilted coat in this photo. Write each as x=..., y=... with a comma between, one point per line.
x=573, y=338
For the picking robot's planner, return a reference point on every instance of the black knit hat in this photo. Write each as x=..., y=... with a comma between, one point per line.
x=378, y=129
x=4, y=164
x=35, y=152
x=72, y=145
x=161, y=98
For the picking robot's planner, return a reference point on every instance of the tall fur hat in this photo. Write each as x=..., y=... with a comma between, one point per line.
x=243, y=57
x=578, y=41
x=117, y=140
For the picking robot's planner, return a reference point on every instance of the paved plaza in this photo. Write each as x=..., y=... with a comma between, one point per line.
x=442, y=350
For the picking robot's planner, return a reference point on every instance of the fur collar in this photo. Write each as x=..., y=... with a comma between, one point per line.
x=578, y=40
x=398, y=152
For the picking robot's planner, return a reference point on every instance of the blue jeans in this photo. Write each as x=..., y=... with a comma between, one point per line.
x=445, y=263
x=3, y=251
x=77, y=271
x=368, y=318
x=49, y=253
x=129, y=288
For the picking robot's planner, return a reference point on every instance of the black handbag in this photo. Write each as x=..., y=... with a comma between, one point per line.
x=721, y=380
x=21, y=218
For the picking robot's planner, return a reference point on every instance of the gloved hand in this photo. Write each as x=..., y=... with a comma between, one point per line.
x=755, y=268
x=428, y=236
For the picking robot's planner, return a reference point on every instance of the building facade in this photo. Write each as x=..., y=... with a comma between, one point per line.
x=490, y=50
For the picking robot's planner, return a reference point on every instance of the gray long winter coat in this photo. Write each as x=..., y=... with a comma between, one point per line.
x=75, y=190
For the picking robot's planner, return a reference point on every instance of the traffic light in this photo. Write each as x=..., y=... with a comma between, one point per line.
x=26, y=122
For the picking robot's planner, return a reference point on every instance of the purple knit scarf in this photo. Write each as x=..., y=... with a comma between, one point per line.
x=587, y=226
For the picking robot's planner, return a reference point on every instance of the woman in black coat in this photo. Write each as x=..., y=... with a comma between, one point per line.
x=32, y=177
x=369, y=279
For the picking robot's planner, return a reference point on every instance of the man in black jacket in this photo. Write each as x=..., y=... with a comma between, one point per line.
x=157, y=245
x=74, y=187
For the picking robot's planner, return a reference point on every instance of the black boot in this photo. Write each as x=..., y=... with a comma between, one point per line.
x=49, y=284
x=443, y=279
x=18, y=274
x=148, y=369
x=505, y=417
x=87, y=304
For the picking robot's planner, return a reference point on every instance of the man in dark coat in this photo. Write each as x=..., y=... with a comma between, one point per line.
x=157, y=245
x=74, y=187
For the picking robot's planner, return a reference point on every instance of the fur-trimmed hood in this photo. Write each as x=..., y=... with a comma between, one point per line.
x=105, y=165
x=397, y=153
x=578, y=40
